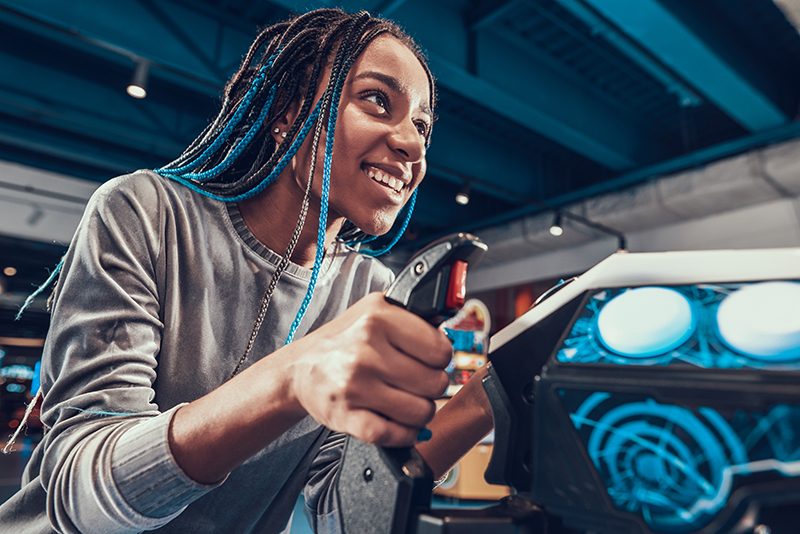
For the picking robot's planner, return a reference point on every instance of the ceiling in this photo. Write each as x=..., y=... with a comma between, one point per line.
x=541, y=102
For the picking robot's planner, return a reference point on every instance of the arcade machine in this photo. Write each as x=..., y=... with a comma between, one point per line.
x=657, y=393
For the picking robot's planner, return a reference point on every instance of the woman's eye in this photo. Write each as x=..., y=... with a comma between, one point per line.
x=422, y=128
x=377, y=99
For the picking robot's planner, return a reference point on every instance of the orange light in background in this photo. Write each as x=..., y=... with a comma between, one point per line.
x=10, y=271
x=523, y=299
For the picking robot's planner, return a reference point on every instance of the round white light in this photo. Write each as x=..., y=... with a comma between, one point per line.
x=136, y=92
x=462, y=198
x=762, y=320
x=556, y=230
x=646, y=321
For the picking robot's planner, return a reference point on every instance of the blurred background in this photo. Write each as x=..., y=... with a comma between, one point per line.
x=567, y=129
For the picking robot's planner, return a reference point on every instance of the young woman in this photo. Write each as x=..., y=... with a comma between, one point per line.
x=174, y=396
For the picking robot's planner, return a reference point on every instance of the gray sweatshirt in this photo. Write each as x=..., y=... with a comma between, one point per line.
x=154, y=307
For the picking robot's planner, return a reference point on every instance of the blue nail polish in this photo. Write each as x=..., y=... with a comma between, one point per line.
x=424, y=435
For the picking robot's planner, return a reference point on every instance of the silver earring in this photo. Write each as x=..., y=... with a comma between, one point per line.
x=283, y=134
x=277, y=130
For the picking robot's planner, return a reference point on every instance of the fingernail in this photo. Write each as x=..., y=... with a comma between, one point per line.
x=424, y=435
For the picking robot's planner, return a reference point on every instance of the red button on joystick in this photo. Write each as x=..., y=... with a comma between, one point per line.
x=456, y=287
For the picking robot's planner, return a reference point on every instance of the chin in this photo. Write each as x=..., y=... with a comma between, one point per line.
x=379, y=224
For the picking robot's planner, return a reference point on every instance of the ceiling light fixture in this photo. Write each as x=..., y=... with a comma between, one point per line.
x=138, y=85
x=10, y=271
x=462, y=197
x=555, y=228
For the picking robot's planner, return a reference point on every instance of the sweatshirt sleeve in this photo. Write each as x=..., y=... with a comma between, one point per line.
x=320, y=493
x=106, y=465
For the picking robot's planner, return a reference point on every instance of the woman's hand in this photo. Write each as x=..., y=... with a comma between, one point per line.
x=372, y=373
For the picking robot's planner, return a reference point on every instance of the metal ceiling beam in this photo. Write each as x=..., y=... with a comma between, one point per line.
x=513, y=82
x=698, y=158
x=676, y=45
x=458, y=147
x=114, y=161
x=192, y=48
x=685, y=95
x=488, y=12
x=53, y=98
x=546, y=102
x=609, y=140
x=567, y=115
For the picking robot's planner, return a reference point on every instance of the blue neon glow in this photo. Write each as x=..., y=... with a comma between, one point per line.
x=704, y=346
x=646, y=321
x=17, y=371
x=676, y=466
x=762, y=321
x=36, y=382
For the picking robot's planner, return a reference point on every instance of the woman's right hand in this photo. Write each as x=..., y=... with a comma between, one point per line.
x=372, y=373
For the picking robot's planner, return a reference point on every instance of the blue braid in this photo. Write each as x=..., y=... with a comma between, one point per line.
x=231, y=157
x=96, y=412
x=244, y=105
x=323, y=211
x=410, y=209
x=302, y=134
x=39, y=289
x=323, y=218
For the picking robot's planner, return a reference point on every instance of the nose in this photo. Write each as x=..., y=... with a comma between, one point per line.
x=406, y=140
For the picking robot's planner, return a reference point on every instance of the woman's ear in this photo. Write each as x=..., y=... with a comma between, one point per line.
x=280, y=127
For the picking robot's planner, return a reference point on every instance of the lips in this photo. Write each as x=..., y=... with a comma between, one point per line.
x=384, y=178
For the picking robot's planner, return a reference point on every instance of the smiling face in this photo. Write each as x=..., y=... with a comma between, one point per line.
x=380, y=139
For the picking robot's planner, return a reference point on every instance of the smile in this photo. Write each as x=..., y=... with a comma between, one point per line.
x=384, y=178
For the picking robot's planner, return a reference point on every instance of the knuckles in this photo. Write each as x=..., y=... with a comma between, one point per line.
x=377, y=434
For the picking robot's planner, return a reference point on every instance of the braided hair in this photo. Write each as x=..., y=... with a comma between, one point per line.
x=235, y=157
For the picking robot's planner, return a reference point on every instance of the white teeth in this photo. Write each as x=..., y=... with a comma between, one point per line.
x=384, y=178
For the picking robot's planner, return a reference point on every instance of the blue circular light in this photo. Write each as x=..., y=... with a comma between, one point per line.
x=762, y=321
x=646, y=321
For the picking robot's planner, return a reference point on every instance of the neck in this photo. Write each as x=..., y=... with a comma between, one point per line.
x=272, y=215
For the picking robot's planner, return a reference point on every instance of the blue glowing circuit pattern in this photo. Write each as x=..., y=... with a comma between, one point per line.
x=703, y=347
x=677, y=466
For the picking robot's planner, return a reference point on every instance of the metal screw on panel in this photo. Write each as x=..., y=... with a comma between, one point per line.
x=419, y=268
x=762, y=529
x=368, y=474
x=528, y=394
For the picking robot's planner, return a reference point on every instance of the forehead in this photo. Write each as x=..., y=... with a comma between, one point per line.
x=386, y=55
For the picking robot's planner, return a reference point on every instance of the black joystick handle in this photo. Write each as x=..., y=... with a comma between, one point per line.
x=432, y=284
x=380, y=488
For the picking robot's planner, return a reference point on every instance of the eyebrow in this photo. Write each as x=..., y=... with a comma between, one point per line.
x=395, y=85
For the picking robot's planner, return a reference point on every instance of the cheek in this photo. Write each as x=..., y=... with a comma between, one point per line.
x=420, y=170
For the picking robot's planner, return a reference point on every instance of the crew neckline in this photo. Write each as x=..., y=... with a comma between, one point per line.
x=273, y=258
